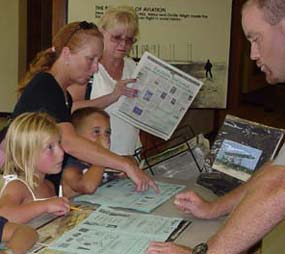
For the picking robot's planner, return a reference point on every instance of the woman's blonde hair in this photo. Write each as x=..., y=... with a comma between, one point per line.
x=74, y=35
x=120, y=16
x=24, y=141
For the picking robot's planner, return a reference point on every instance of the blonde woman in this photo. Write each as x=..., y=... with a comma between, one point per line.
x=119, y=26
x=32, y=150
x=73, y=58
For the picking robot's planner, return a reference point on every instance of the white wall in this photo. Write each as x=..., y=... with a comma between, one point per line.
x=12, y=50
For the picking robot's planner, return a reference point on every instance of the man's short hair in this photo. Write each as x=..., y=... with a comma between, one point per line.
x=274, y=10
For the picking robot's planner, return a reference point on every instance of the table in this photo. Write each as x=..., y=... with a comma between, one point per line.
x=198, y=231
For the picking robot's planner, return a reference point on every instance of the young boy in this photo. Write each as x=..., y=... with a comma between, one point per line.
x=16, y=238
x=80, y=177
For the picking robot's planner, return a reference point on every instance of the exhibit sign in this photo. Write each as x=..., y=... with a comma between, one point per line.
x=193, y=35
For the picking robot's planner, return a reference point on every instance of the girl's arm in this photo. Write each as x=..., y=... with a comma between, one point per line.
x=13, y=208
x=79, y=183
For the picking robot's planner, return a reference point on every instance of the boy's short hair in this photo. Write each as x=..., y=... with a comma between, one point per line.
x=79, y=115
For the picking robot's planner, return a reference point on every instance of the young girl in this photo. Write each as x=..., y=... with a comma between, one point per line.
x=32, y=150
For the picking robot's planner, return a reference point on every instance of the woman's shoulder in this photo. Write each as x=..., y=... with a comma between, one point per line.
x=43, y=77
x=42, y=84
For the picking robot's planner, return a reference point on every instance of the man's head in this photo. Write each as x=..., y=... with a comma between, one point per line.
x=263, y=22
x=93, y=124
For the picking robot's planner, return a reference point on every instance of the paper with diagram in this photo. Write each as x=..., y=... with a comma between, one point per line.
x=164, y=95
x=110, y=231
x=121, y=193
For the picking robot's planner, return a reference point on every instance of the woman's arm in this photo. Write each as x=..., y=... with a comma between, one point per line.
x=94, y=154
x=78, y=95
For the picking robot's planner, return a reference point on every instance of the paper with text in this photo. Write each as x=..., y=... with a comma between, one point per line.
x=109, y=231
x=164, y=95
x=121, y=193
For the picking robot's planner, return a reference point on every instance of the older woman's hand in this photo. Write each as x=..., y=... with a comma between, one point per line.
x=121, y=88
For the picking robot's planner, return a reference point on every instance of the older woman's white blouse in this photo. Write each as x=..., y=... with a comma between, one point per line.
x=124, y=137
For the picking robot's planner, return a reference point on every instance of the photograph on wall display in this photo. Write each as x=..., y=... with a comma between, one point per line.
x=242, y=146
x=180, y=36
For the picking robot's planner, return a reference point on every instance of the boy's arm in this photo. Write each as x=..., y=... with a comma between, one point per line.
x=19, y=238
x=75, y=182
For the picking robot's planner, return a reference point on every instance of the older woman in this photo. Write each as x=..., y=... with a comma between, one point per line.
x=73, y=58
x=119, y=26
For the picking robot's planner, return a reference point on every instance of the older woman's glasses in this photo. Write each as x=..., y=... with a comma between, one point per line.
x=119, y=39
x=84, y=25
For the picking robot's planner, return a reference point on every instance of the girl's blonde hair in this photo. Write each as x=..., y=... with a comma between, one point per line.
x=120, y=16
x=24, y=141
x=74, y=35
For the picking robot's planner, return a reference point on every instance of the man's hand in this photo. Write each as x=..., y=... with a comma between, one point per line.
x=191, y=203
x=167, y=248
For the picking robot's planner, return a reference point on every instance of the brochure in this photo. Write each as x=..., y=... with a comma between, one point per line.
x=109, y=231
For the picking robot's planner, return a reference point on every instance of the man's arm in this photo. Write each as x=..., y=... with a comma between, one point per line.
x=261, y=208
x=191, y=203
x=121, y=88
